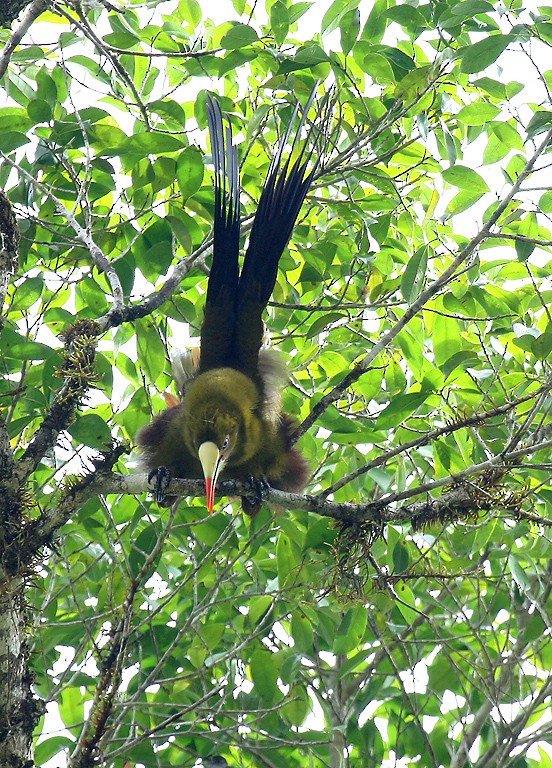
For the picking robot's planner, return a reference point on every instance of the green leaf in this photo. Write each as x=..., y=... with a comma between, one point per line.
x=264, y=667
x=465, y=178
x=27, y=293
x=401, y=558
x=302, y=632
x=518, y=573
x=399, y=408
x=153, y=249
x=212, y=633
x=16, y=347
x=463, y=200
x=151, y=143
x=171, y=111
x=189, y=171
x=483, y=53
x=297, y=706
x=545, y=202
x=376, y=23
x=307, y=57
x=89, y=429
x=259, y=606
x=151, y=352
x=71, y=707
x=542, y=345
x=494, y=88
x=478, y=113
x=91, y=298
x=407, y=16
x=508, y=135
x=239, y=36
x=406, y=603
x=413, y=84
x=11, y=140
x=279, y=21
x=351, y=631
x=49, y=748
x=349, y=28
x=539, y=123
x=446, y=338
x=190, y=10
x=378, y=68
x=142, y=548
x=469, y=8
x=335, y=13
x=14, y=119
x=288, y=558
x=412, y=281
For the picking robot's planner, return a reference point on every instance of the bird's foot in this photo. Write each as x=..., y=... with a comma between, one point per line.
x=259, y=489
x=160, y=478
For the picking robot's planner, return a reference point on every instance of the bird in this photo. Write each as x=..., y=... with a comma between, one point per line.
x=229, y=421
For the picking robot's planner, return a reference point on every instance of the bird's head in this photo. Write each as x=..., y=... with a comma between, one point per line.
x=219, y=424
x=216, y=442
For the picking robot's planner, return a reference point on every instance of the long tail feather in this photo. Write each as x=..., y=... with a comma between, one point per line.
x=285, y=189
x=222, y=290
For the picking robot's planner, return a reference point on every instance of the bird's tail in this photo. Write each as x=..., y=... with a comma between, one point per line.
x=287, y=184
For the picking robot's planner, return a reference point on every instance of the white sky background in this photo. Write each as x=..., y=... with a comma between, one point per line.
x=515, y=66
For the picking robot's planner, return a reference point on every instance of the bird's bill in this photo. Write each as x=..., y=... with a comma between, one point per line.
x=211, y=462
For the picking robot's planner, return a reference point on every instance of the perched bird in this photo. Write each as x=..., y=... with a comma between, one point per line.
x=229, y=422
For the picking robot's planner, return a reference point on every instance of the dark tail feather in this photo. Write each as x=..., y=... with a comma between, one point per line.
x=220, y=306
x=284, y=191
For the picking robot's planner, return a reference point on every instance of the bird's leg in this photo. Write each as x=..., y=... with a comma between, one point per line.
x=259, y=489
x=162, y=478
x=253, y=501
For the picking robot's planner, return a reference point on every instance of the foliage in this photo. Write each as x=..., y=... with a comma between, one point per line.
x=413, y=307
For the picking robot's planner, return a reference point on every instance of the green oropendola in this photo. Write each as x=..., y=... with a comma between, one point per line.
x=229, y=422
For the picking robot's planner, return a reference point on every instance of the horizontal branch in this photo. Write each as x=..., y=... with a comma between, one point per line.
x=434, y=434
x=464, y=498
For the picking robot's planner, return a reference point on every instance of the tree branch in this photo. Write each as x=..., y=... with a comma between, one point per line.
x=96, y=254
x=33, y=12
x=428, y=437
x=464, y=499
x=435, y=287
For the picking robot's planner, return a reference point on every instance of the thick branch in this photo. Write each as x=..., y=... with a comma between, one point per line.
x=465, y=498
x=78, y=372
x=9, y=10
x=9, y=241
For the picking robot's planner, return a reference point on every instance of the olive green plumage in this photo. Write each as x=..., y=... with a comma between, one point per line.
x=230, y=422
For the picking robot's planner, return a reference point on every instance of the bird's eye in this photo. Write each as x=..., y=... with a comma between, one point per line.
x=226, y=442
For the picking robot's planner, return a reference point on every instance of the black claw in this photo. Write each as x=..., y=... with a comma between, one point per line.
x=259, y=490
x=162, y=477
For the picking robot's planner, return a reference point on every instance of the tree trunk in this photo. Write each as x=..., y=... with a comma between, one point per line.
x=19, y=711
x=10, y=10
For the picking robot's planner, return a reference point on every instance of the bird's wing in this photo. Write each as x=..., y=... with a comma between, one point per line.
x=284, y=191
x=184, y=367
x=274, y=376
x=217, y=332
